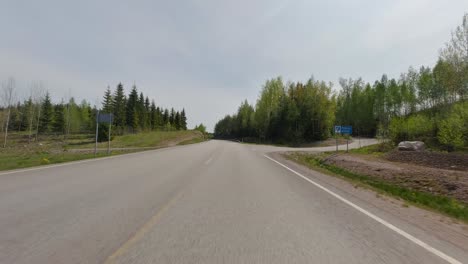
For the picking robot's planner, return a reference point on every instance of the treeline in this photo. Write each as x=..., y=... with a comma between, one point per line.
x=38, y=115
x=425, y=104
x=389, y=108
x=135, y=112
x=292, y=112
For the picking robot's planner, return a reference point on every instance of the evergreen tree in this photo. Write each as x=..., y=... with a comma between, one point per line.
x=132, y=110
x=107, y=103
x=165, y=117
x=183, y=120
x=119, y=107
x=148, y=123
x=172, y=117
x=141, y=111
x=153, y=116
x=59, y=124
x=177, y=123
x=45, y=120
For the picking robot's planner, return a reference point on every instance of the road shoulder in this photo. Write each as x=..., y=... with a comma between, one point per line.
x=431, y=225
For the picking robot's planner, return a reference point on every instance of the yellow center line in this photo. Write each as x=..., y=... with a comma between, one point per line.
x=142, y=231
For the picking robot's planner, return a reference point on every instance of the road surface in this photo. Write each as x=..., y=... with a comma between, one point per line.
x=214, y=202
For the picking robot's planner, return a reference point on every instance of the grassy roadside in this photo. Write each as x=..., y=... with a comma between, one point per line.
x=142, y=140
x=26, y=160
x=441, y=204
x=52, y=150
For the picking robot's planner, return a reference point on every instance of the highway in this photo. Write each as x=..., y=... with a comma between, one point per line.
x=213, y=202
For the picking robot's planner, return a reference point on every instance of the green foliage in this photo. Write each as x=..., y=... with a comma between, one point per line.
x=103, y=133
x=201, y=128
x=119, y=107
x=132, y=110
x=296, y=113
x=59, y=124
x=451, y=132
x=415, y=127
x=183, y=120
x=107, y=106
x=45, y=122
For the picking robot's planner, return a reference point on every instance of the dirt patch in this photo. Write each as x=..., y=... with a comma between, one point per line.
x=436, y=181
x=447, y=161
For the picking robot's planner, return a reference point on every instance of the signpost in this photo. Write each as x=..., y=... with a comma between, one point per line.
x=337, y=131
x=103, y=118
x=343, y=130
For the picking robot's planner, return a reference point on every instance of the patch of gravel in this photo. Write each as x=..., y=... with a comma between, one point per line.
x=436, y=181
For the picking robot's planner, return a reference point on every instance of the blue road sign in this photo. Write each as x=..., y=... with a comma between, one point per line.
x=105, y=118
x=347, y=130
x=337, y=129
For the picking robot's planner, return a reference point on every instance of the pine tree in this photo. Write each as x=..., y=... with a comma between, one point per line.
x=141, y=111
x=172, y=117
x=108, y=101
x=119, y=107
x=45, y=121
x=148, y=123
x=132, y=107
x=177, y=121
x=58, y=124
x=153, y=116
x=165, y=118
x=183, y=120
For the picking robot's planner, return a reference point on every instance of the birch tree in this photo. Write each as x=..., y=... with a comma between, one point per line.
x=8, y=93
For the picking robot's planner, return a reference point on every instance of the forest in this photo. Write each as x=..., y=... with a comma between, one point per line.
x=426, y=104
x=38, y=115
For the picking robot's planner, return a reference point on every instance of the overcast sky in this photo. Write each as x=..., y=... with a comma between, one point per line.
x=209, y=55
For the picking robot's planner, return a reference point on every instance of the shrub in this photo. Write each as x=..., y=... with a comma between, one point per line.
x=103, y=134
x=451, y=132
x=416, y=127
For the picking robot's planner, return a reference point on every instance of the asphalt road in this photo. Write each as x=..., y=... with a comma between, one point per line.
x=214, y=202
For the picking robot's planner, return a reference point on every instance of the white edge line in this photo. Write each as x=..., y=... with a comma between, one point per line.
x=376, y=218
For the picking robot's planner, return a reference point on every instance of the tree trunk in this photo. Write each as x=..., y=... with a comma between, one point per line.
x=6, y=127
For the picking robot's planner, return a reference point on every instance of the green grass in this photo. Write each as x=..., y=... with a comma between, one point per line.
x=52, y=149
x=27, y=159
x=192, y=141
x=145, y=140
x=375, y=150
x=442, y=204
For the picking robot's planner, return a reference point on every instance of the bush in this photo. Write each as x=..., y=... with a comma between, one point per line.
x=451, y=132
x=416, y=127
x=103, y=134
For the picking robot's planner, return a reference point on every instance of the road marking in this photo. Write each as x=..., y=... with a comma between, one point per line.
x=376, y=218
x=208, y=161
x=142, y=231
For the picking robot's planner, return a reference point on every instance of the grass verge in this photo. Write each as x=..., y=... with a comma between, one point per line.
x=191, y=141
x=441, y=204
x=27, y=159
x=53, y=150
x=144, y=139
